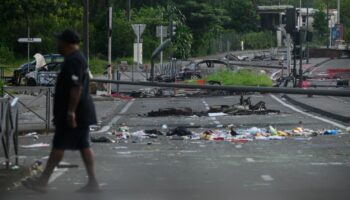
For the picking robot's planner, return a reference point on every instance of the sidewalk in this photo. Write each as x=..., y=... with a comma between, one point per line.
x=332, y=107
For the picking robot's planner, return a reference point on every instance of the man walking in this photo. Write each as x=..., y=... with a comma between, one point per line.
x=74, y=112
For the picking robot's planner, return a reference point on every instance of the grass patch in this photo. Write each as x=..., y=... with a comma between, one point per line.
x=241, y=77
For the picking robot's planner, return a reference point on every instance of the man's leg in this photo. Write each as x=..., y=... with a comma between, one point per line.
x=88, y=158
x=54, y=159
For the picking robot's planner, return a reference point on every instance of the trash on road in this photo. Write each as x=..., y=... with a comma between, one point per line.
x=30, y=134
x=331, y=132
x=216, y=114
x=98, y=129
x=102, y=139
x=244, y=107
x=179, y=131
x=38, y=145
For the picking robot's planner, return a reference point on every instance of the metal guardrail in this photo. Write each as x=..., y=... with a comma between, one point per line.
x=42, y=91
x=9, y=127
x=322, y=92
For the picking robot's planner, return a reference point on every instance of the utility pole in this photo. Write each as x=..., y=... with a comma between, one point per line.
x=86, y=30
x=301, y=38
x=161, y=42
x=307, y=33
x=109, y=89
x=328, y=19
x=28, y=48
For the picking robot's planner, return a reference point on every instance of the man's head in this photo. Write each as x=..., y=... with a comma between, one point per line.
x=67, y=41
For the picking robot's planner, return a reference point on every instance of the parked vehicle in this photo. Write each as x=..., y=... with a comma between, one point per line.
x=44, y=76
x=20, y=73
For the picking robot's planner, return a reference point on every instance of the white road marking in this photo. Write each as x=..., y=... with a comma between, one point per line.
x=206, y=104
x=267, y=178
x=115, y=119
x=251, y=160
x=57, y=173
x=218, y=123
x=127, y=106
x=238, y=146
x=308, y=114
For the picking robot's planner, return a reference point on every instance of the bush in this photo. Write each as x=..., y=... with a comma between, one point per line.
x=241, y=77
x=98, y=66
x=6, y=55
x=259, y=40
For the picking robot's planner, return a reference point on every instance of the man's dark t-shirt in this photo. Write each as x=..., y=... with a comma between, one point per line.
x=74, y=73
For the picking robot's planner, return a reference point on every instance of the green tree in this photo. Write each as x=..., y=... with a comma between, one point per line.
x=243, y=15
x=320, y=23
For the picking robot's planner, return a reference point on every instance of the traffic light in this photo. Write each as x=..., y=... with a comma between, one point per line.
x=172, y=30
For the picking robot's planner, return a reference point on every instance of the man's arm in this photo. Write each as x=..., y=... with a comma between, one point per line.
x=74, y=98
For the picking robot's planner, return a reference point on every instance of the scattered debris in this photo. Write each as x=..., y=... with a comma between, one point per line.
x=216, y=114
x=36, y=168
x=102, y=139
x=31, y=134
x=331, y=132
x=171, y=112
x=38, y=145
x=153, y=131
x=179, y=131
x=98, y=129
x=245, y=107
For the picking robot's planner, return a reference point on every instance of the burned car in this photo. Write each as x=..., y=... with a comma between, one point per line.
x=20, y=73
x=44, y=76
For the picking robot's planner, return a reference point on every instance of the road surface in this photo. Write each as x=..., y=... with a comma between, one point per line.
x=164, y=169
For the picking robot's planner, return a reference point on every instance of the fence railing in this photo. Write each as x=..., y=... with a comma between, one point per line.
x=238, y=89
x=41, y=92
x=9, y=127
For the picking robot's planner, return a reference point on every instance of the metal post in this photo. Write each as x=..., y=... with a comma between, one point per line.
x=28, y=49
x=307, y=29
x=288, y=54
x=138, y=53
x=86, y=30
x=109, y=90
x=301, y=58
x=161, y=41
x=48, y=108
x=294, y=57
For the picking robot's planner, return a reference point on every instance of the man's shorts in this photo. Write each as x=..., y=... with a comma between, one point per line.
x=71, y=138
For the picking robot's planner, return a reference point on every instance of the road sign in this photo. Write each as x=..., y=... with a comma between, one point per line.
x=162, y=31
x=29, y=40
x=138, y=29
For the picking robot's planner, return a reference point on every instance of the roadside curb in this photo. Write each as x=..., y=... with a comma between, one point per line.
x=317, y=110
